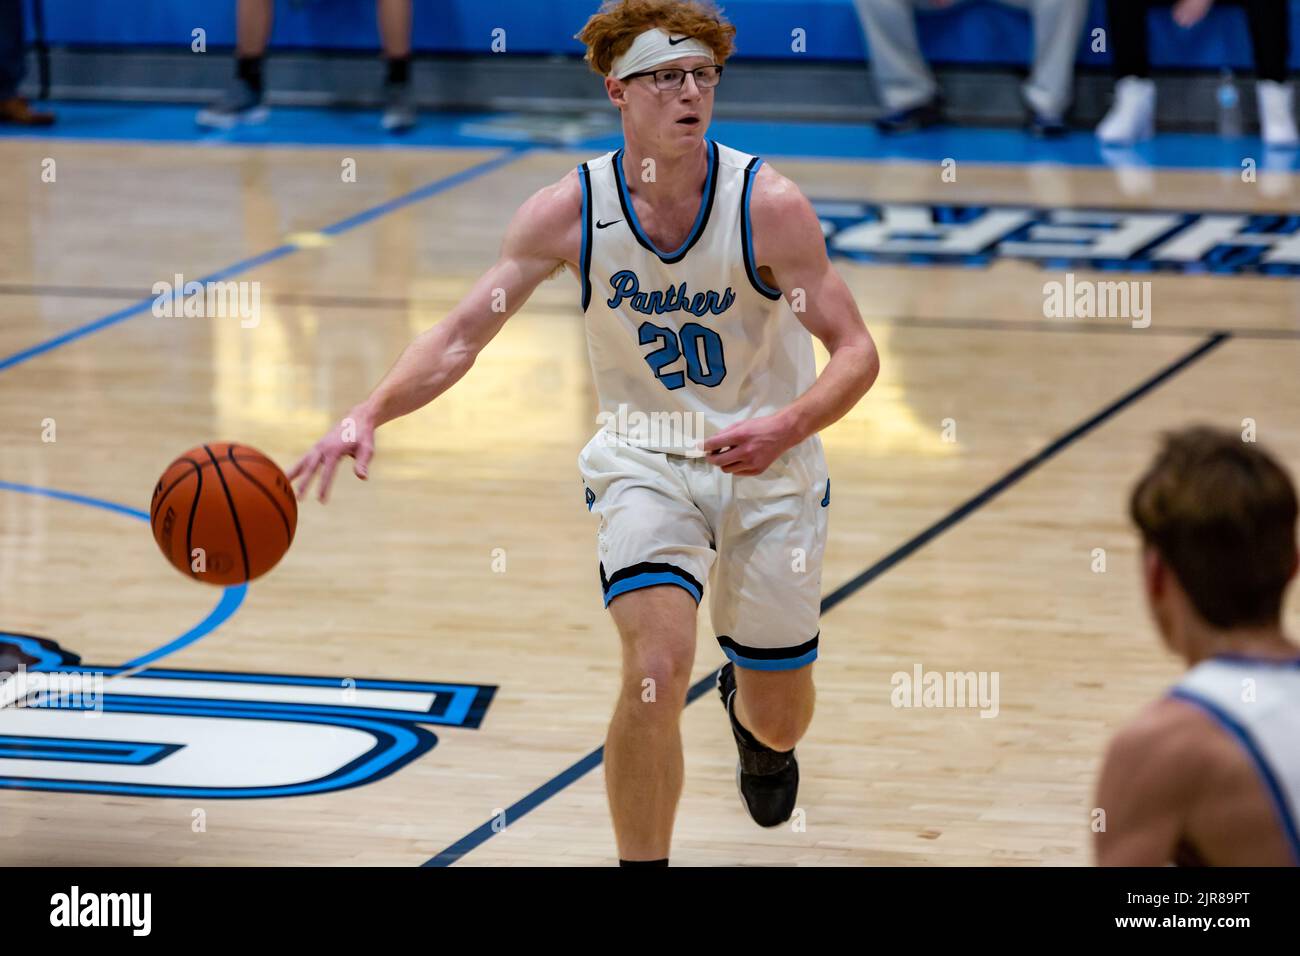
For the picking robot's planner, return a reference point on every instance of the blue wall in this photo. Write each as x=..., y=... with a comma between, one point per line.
x=979, y=32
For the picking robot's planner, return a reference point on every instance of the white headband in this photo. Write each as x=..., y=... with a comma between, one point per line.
x=654, y=47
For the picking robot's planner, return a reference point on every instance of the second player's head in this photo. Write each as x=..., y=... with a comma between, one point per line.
x=661, y=60
x=1218, y=523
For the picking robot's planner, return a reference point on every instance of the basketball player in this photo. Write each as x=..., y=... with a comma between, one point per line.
x=702, y=273
x=1210, y=773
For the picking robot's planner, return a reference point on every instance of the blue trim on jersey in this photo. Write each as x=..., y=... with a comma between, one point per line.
x=747, y=235
x=649, y=580
x=827, y=500
x=767, y=664
x=1289, y=829
x=1244, y=659
x=701, y=217
x=584, y=256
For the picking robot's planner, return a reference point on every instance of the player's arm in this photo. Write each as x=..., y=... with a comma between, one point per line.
x=542, y=236
x=790, y=249
x=1146, y=786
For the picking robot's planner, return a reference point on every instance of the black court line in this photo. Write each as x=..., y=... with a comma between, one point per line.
x=1020, y=471
x=540, y=795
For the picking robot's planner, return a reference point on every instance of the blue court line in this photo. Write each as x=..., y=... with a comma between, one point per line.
x=231, y=597
x=335, y=128
x=424, y=192
x=296, y=126
x=244, y=265
x=483, y=833
x=77, y=499
x=144, y=305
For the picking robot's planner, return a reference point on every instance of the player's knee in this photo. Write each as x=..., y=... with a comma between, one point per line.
x=661, y=673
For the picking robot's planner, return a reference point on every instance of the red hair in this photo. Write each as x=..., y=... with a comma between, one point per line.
x=611, y=31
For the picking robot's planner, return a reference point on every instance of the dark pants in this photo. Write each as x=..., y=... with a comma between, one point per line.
x=13, y=49
x=1269, y=26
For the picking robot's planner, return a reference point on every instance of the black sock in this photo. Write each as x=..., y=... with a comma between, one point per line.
x=249, y=70
x=399, y=70
x=752, y=742
x=663, y=862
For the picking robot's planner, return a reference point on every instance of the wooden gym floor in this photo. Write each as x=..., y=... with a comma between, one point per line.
x=401, y=578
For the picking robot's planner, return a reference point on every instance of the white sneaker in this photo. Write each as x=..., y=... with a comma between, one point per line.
x=399, y=114
x=1276, y=113
x=239, y=105
x=1132, y=117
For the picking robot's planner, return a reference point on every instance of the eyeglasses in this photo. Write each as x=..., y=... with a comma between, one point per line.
x=670, y=81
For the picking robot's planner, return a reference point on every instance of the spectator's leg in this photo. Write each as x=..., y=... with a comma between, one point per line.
x=253, y=19
x=395, y=28
x=1126, y=37
x=13, y=62
x=1270, y=26
x=1270, y=31
x=1132, y=116
x=242, y=102
x=13, y=52
x=901, y=74
x=395, y=35
x=1058, y=24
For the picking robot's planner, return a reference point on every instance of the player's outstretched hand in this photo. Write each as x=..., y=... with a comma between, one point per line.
x=749, y=447
x=354, y=436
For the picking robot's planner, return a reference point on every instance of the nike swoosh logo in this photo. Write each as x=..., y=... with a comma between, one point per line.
x=602, y=225
x=672, y=42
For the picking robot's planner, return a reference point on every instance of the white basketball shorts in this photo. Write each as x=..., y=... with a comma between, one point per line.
x=676, y=520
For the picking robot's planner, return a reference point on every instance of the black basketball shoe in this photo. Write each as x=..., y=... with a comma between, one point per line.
x=768, y=780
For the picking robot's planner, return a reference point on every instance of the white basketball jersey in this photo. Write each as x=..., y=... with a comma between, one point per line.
x=684, y=342
x=1258, y=704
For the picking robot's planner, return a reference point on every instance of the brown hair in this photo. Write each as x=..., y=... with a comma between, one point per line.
x=612, y=29
x=1222, y=515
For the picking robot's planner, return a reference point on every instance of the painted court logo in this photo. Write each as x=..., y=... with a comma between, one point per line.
x=1137, y=240
x=166, y=732
x=75, y=908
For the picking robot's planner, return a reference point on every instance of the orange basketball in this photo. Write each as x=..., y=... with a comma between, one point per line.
x=223, y=513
